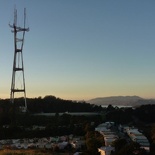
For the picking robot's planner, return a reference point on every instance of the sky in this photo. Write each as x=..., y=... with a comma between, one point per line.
x=81, y=49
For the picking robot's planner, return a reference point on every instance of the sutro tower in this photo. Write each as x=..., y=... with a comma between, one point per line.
x=18, y=79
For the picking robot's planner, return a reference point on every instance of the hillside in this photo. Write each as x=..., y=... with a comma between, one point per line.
x=121, y=100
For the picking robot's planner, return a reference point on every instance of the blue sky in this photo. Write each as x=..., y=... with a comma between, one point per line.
x=81, y=49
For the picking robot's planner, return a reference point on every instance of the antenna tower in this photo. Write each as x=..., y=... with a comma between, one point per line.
x=18, y=79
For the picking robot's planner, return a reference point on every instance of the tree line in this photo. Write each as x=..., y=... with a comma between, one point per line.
x=51, y=104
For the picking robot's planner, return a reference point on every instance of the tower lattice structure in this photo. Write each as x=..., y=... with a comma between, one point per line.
x=18, y=79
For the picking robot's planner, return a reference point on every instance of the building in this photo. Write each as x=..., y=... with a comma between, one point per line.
x=106, y=150
x=138, y=137
x=105, y=130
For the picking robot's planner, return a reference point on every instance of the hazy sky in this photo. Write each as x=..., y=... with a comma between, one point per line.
x=81, y=49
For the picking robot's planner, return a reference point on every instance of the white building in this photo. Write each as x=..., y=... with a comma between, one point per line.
x=138, y=137
x=109, y=136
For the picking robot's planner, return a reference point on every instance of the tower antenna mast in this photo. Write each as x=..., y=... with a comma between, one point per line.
x=18, y=65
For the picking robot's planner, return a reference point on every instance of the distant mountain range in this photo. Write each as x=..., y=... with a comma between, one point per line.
x=121, y=101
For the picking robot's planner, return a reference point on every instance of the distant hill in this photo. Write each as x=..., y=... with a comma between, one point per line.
x=121, y=100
